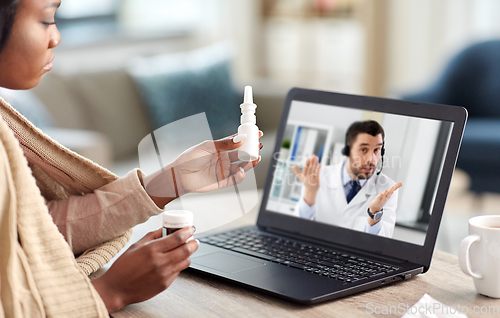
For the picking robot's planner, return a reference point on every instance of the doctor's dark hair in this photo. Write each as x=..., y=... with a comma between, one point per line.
x=369, y=127
x=8, y=10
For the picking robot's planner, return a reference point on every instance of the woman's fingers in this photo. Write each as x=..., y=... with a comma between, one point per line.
x=149, y=237
x=233, y=156
x=239, y=176
x=247, y=165
x=155, y=234
x=233, y=142
x=236, y=170
x=144, y=270
x=228, y=143
x=174, y=240
x=239, y=138
x=175, y=268
x=181, y=253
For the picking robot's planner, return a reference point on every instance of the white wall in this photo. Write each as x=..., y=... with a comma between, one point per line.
x=237, y=21
x=341, y=117
x=413, y=159
x=320, y=53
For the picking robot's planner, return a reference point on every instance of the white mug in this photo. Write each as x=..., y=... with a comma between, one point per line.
x=479, y=254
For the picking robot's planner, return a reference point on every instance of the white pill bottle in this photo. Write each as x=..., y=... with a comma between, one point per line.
x=174, y=220
x=249, y=151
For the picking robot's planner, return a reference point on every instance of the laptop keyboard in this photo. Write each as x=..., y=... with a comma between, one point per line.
x=314, y=259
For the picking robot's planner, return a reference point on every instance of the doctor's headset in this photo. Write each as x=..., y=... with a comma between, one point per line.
x=346, y=151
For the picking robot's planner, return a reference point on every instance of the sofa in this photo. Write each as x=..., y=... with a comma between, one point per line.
x=472, y=79
x=103, y=114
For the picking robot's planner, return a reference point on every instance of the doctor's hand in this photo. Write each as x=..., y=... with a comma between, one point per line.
x=310, y=178
x=208, y=166
x=379, y=202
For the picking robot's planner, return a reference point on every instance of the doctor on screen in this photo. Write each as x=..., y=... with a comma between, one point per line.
x=351, y=194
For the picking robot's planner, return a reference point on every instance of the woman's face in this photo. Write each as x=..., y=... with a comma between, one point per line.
x=28, y=53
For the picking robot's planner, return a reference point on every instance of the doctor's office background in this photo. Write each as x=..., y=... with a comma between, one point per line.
x=387, y=48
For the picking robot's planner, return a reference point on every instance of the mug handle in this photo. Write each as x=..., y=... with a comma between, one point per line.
x=464, y=257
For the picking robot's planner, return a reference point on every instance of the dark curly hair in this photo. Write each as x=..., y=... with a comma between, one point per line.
x=8, y=10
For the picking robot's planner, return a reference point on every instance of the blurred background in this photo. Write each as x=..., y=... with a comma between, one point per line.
x=127, y=67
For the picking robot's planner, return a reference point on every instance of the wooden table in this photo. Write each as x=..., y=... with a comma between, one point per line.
x=195, y=295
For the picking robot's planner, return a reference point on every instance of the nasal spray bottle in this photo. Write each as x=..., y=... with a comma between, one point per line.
x=249, y=151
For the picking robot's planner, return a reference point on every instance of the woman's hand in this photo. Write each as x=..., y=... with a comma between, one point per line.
x=147, y=268
x=205, y=167
x=310, y=178
x=211, y=165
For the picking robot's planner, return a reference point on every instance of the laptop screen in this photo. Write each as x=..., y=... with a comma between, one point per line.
x=342, y=166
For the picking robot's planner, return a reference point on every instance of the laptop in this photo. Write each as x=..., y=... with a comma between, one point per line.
x=335, y=251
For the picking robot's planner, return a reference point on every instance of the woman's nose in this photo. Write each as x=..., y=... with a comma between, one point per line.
x=55, y=39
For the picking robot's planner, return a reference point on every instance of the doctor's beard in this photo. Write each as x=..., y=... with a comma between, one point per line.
x=362, y=171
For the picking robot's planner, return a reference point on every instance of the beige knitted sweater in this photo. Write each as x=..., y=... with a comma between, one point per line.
x=39, y=275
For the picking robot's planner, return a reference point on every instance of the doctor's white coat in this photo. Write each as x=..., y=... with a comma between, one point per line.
x=331, y=204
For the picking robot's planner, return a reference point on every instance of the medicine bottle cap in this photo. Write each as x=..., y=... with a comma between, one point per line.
x=248, y=95
x=177, y=218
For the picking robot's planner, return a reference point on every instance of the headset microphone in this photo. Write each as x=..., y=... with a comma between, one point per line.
x=382, y=153
x=382, y=167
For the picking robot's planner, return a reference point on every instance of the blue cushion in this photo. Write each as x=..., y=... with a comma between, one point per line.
x=178, y=86
x=479, y=154
x=471, y=79
x=480, y=150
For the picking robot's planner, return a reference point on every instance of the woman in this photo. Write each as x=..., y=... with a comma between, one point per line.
x=46, y=190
